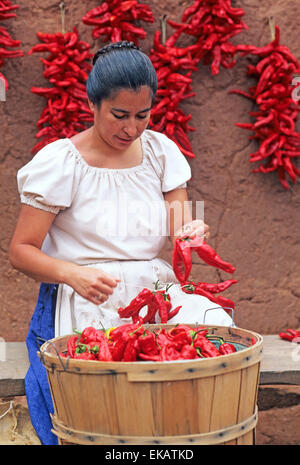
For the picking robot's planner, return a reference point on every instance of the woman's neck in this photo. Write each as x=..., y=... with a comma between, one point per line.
x=97, y=153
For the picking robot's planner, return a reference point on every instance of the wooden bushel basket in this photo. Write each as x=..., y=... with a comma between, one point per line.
x=203, y=401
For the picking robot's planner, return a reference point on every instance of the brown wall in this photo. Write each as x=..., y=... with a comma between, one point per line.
x=254, y=222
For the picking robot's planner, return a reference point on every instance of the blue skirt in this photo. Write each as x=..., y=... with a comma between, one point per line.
x=37, y=389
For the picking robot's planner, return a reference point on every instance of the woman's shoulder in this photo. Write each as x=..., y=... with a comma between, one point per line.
x=159, y=138
x=57, y=149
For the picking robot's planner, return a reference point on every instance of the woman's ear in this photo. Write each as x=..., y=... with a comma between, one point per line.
x=91, y=105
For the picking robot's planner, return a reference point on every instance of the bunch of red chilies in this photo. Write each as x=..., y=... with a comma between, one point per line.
x=158, y=301
x=173, y=88
x=182, y=265
x=134, y=342
x=277, y=113
x=113, y=20
x=6, y=41
x=66, y=67
x=213, y=23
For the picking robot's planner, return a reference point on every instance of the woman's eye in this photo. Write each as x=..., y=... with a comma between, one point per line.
x=118, y=116
x=142, y=116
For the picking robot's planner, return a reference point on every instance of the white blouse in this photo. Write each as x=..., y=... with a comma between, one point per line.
x=103, y=213
x=115, y=220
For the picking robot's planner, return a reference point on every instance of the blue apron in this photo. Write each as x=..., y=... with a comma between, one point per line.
x=37, y=389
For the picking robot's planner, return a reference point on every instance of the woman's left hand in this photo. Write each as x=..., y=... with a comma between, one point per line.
x=194, y=228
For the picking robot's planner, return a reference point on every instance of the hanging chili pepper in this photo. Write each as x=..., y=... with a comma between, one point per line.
x=133, y=309
x=113, y=20
x=182, y=256
x=7, y=12
x=67, y=67
x=277, y=110
x=213, y=24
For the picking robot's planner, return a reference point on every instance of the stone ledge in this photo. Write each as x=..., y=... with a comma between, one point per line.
x=279, y=366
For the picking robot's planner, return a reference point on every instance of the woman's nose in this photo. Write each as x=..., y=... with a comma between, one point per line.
x=130, y=129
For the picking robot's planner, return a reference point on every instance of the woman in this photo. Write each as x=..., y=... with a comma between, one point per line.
x=93, y=217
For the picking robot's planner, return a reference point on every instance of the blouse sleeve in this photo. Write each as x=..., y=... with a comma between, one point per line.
x=49, y=181
x=173, y=166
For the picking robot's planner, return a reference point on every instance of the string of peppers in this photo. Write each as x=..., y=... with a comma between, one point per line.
x=182, y=266
x=158, y=301
x=173, y=88
x=66, y=67
x=212, y=23
x=277, y=113
x=113, y=19
x=6, y=40
x=134, y=342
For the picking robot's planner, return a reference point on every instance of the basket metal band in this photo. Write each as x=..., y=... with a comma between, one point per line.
x=214, y=437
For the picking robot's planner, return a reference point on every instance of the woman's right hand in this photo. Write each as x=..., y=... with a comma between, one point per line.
x=92, y=284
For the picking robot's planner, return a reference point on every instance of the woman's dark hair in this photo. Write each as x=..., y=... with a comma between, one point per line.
x=117, y=66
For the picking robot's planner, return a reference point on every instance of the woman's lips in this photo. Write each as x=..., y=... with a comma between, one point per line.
x=125, y=141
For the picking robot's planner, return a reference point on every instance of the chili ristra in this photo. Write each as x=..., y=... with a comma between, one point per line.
x=66, y=67
x=277, y=112
x=7, y=11
x=213, y=24
x=113, y=20
x=182, y=265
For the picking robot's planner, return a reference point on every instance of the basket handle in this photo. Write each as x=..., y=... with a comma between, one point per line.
x=218, y=308
x=41, y=354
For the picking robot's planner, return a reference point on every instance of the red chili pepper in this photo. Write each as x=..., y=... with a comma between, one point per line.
x=85, y=356
x=209, y=255
x=71, y=345
x=182, y=259
x=147, y=344
x=133, y=309
x=205, y=347
x=290, y=335
x=188, y=352
x=174, y=312
x=91, y=334
x=226, y=347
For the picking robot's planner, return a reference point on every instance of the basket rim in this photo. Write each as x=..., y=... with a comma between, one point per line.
x=248, y=356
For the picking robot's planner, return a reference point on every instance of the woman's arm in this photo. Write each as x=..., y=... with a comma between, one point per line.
x=180, y=215
x=25, y=255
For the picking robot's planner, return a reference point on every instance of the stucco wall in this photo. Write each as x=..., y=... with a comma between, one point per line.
x=254, y=222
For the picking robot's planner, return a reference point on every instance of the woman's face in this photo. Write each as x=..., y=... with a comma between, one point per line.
x=122, y=118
